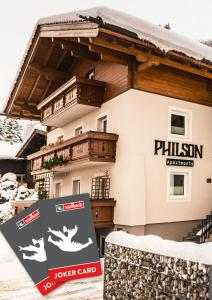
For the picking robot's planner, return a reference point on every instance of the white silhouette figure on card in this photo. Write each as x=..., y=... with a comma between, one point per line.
x=65, y=243
x=37, y=249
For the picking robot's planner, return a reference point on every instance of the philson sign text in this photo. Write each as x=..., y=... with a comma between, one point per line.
x=178, y=149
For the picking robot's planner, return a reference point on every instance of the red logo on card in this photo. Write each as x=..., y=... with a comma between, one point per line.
x=69, y=206
x=28, y=219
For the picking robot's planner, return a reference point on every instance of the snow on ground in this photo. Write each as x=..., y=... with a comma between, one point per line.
x=186, y=250
x=15, y=284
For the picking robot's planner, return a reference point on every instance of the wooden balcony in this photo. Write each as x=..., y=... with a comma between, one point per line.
x=88, y=147
x=75, y=98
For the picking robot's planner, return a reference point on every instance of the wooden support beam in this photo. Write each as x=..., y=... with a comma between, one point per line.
x=76, y=50
x=19, y=115
x=173, y=64
x=34, y=87
x=24, y=108
x=20, y=101
x=57, y=66
x=110, y=55
x=139, y=54
x=155, y=60
x=75, y=29
x=142, y=67
x=48, y=54
x=146, y=45
x=99, y=41
x=49, y=73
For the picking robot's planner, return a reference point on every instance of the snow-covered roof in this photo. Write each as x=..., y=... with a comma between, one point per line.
x=162, y=38
x=165, y=40
x=8, y=151
x=37, y=128
x=7, y=156
x=185, y=250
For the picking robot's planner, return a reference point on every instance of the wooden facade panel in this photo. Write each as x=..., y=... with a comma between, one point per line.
x=81, y=66
x=115, y=76
x=174, y=83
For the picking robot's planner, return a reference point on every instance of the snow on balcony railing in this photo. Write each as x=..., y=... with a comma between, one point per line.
x=149, y=267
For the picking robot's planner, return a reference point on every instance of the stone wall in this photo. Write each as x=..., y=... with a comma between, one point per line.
x=135, y=274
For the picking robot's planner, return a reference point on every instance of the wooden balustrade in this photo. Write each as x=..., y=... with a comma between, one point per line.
x=76, y=91
x=90, y=146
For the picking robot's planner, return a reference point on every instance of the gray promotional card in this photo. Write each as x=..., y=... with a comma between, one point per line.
x=23, y=233
x=70, y=239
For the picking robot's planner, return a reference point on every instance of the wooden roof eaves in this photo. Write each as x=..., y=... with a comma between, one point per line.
x=34, y=43
x=26, y=143
x=132, y=37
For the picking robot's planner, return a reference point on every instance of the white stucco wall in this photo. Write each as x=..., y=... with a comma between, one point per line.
x=139, y=178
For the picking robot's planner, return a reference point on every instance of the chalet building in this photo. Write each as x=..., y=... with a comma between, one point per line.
x=17, y=166
x=128, y=110
x=32, y=143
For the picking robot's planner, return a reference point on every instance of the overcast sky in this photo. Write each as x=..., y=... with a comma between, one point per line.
x=18, y=17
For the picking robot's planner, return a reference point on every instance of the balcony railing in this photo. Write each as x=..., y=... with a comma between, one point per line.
x=75, y=98
x=90, y=146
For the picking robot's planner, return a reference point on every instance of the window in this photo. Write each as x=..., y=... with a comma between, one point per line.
x=60, y=139
x=90, y=74
x=21, y=177
x=179, y=185
x=78, y=130
x=58, y=189
x=179, y=123
x=76, y=186
x=102, y=124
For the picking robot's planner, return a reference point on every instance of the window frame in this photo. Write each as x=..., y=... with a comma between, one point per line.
x=76, y=179
x=187, y=114
x=61, y=186
x=60, y=138
x=99, y=118
x=187, y=185
x=76, y=128
x=23, y=177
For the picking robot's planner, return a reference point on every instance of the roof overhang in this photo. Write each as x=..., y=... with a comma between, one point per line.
x=57, y=42
x=32, y=141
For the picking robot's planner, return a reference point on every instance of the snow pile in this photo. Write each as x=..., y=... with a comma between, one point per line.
x=9, y=191
x=185, y=250
x=8, y=187
x=6, y=212
x=23, y=193
x=33, y=197
x=162, y=38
